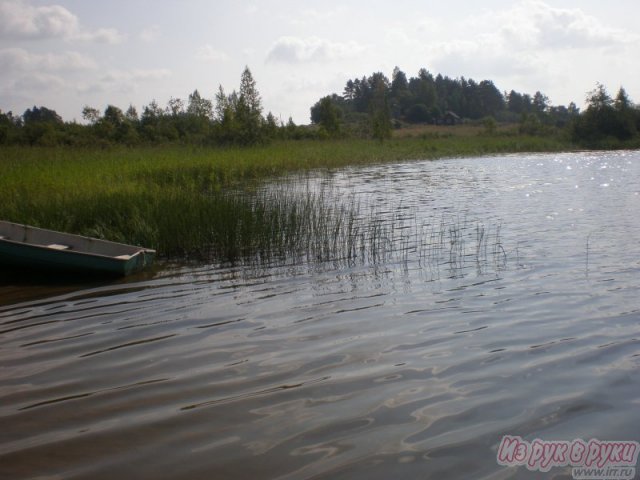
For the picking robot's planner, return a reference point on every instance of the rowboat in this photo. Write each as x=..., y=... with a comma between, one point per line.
x=23, y=246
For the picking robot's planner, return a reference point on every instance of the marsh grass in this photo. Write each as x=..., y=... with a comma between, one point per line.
x=210, y=203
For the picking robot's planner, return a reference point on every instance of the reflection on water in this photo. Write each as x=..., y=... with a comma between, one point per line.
x=508, y=305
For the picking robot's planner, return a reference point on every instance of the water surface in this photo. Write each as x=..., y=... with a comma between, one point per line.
x=508, y=303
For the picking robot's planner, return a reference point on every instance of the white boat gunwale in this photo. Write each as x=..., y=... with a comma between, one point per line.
x=53, y=248
x=73, y=251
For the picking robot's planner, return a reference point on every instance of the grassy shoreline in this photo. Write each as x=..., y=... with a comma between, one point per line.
x=185, y=200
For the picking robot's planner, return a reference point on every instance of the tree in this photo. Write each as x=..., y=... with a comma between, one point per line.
x=9, y=127
x=115, y=126
x=490, y=99
x=599, y=98
x=90, y=114
x=41, y=115
x=418, y=113
x=270, y=126
x=249, y=95
x=573, y=110
x=605, y=119
x=222, y=104
x=113, y=115
x=423, y=74
x=291, y=129
x=198, y=106
x=399, y=83
x=362, y=94
x=175, y=107
x=622, y=101
x=239, y=115
x=41, y=126
x=131, y=114
x=248, y=110
x=379, y=115
x=152, y=116
x=349, y=92
x=225, y=114
x=540, y=102
x=423, y=91
x=628, y=118
x=328, y=116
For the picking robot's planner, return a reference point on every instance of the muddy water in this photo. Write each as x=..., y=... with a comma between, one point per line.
x=510, y=307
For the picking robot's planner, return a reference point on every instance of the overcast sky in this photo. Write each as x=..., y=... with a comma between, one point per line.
x=64, y=54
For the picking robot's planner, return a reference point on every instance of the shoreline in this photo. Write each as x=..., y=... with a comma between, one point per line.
x=183, y=200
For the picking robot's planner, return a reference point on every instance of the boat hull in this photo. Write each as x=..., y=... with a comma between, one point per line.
x=20, y=248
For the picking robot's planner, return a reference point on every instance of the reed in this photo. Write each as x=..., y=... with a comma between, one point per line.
x=212, y=202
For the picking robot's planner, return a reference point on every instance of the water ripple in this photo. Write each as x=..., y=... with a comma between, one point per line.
x=413, y=366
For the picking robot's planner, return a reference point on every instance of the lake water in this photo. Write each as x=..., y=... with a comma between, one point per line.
x=509, y=304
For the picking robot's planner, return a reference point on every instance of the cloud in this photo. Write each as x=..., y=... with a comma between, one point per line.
x=116, y=76
x=533, y=23
x=40, y=82
x=485, y=55
x=14, y=60
x=314, y=17
x=529, y=43
x=101, y=35
x=208, y=53
x=21, y=21
x=150, y=34
x=124, y=80
x=300, y=50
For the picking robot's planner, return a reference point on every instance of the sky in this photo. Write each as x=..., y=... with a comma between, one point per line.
x=65, y=54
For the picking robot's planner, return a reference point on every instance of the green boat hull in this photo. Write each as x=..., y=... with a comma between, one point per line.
x=23, y=247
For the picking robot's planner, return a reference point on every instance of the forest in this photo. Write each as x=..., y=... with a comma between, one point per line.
x=369, y=107
x=442, y=100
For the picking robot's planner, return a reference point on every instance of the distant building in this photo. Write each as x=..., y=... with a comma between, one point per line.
x=450, y=118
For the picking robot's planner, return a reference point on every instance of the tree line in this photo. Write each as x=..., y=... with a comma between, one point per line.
x=607, y=120
x=233, y=119
x=368, y=107
x=429, y=99
x=436, y=99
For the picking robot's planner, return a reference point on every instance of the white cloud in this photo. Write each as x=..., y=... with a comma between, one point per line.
x=124, y=80
x=314, y=17
x=208, y=53
x=312, y=49
x=398, y=37
x=101, y=35
x=40, y=82
x=486, y=56
x=535, y=24
x=150, y=34
x=21, y=21
x=429, y=25
x=531, y=44
x=116, y=76
x=14, y=60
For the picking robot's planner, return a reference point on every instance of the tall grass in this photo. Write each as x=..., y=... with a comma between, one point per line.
x=210, y=202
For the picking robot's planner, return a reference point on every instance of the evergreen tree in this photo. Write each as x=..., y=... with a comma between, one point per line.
x=622, y=101
x=131, y=114
x=222, y=104
x=379, y=114
x=248, y=110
